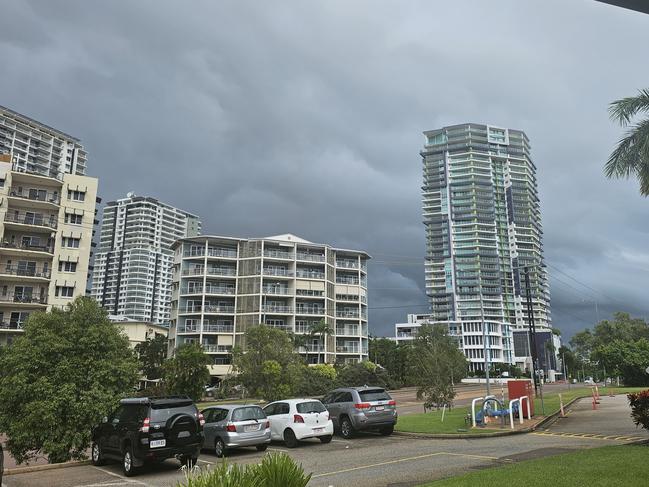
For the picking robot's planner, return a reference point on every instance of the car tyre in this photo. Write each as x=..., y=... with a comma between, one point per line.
x=96, y=455
x=325, y=439
x=220, y=449
x=127, y=462
x=386, y=431
x=290, y=439
x=262, y=447
x=346, y=428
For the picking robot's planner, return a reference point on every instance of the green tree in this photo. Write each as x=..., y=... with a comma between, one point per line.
x=392, y=356
x=318, y=379
x=626, y=359
x=152, y=354
x=322, y=330
x=269, y=368
x=631, y=156
x=59, y=379
x=186, y=373
x=437, y=363
x=364, y=373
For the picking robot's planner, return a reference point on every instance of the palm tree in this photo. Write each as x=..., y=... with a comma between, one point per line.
x=321, y=329
x=631, y=156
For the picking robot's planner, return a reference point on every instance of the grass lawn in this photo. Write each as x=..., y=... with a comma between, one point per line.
x=454, y=420
x=606, y=466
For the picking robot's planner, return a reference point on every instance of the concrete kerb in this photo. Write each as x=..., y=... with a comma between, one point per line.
x=49, y=466
x=465, y=436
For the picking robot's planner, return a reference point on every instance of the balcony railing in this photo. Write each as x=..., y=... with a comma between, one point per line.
x=23, y=246
x=348, y=313
x=311, y=349
x=347, y=331
x=206, y=328
x=32, y=169
x=282, y=291
x=12, y=325
x=275, y=308
x=304, y=310
x=221, y=252
x=208, y=308
x=36, y=220
x=210, y=271
x=47, y=197
x=310, y=257
x=209, y=290
x=23, y=298
x=286, y=328
x=347, y=349
x=278, y=272
x=347, y=264
x=310, y=274
x=278, y=254
x=217, y=348
x=14, y=270
x=347, y=280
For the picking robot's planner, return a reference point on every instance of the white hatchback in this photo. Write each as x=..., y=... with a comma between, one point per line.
x=298, y=419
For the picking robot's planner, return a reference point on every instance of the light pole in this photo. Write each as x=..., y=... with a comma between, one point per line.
x=484, y=345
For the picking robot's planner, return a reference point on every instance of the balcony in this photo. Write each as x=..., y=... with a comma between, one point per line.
x=277, y=272
x=309, y=310
x=12, y=325
x=347, y=264
x=286, y=328
x=311, y=349
x=281, y=291
x=14, y=270
x=215, y=308
x=347, y=280
x=221, y=252
x=310, y=274
x=209, y=290
x=37, y=196
x=210, y=271
x=28, y=168
x=213, y=328
x=348, y=313
x=278, y=254
x=27, y=247
x=23, y=298
x=276, y=308
x=310, y=257
x=49, y=222
x=347, y=331
x=347, y=349
x=217, y=348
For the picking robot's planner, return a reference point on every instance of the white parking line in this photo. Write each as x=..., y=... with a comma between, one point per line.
x=278, y=449
x=124, y=479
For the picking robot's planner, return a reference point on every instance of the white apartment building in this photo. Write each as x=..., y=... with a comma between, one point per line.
x=132, y=269
x=224, y=285
x=46, y=224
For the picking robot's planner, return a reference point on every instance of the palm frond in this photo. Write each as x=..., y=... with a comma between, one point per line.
x=624, y=109
x=631, y=157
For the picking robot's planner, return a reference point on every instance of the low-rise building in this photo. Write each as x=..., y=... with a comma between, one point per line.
x=138, y=331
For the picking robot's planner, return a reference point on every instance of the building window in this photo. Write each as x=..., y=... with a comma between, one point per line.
x=67, y=266
x=2, y=183
x=70, y=242
x=76, y=195
x=73, y=218
x=64, y=291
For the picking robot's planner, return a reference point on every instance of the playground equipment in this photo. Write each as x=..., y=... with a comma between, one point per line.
x=493, y=408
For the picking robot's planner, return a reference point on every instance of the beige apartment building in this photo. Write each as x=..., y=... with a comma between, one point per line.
x=46, y=223
x=224, y=285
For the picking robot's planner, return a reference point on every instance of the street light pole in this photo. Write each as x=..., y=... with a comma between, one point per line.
x=531, y=327
x=484, y=346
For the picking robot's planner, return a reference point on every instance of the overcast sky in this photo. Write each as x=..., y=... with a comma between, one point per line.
x=306, y=117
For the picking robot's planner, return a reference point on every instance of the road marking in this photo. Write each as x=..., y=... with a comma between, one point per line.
x=401, y=460
x=589, y=436
x=124, y=479
x=278, y=449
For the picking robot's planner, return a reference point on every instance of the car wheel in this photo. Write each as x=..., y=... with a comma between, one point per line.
x=127, y=462
x=219, y=448
x=387, y=431
x=188, y=461
x=325, y=439
x=346, y=428
x=95, y=454
x=290, y=439
x=262, y=447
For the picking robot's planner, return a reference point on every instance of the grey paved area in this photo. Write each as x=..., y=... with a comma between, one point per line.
x=375, y=461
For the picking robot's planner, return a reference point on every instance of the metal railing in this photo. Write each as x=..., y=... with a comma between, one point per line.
x=278, y=254
x=36, y=219
x=347, y=264
x=274, y=308
x=217, y=348
x=347, y=331
x=14, y=270
x=23, y=298
x=276, y=290
x=347, y=349
x=310, y=274
x=208, y=308
x=278, y=272
x=208, y=290
x=221, y=252
x=309, y=310
x=346, y=313
x=22, y=246
x=11, y=326
x=47, y=197
x=347, y=280
x=310, y=257
x=312, y=349
x=210, y=271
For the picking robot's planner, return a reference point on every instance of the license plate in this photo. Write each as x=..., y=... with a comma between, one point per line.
x=157, y=443
x=318, y=430
x=251, y=427
x=379, y=408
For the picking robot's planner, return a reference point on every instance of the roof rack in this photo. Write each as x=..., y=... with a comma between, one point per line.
x=149, y=400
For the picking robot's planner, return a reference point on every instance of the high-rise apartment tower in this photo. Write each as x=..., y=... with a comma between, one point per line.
x=132, y=269
x=483, y=227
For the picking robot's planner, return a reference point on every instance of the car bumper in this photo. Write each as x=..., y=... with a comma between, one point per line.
x=235, y=440
x=364, y=422
x=145, y=454
x=303, y=431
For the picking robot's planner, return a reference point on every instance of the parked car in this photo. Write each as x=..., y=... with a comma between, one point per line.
x=234, y=426
x=589, y=381
x=361, y=408
x=293, y=420
x=149, y=429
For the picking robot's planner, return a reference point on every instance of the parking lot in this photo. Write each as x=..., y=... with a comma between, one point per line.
x=373, y=460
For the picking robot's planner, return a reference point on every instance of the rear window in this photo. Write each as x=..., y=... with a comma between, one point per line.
x=310, y=407
x=161, y=412
x=247, y=413
x=374, y=395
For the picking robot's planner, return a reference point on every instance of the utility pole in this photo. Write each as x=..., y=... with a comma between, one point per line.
x=532, y=328
x=484, y=346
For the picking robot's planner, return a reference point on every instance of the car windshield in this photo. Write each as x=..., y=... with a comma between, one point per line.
x=310, y=407
x=374, y=395
x=248, y=413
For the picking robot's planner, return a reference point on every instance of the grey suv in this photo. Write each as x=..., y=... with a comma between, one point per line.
x=361, y=408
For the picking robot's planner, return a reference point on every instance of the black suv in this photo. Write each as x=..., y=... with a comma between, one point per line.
x=149, y=429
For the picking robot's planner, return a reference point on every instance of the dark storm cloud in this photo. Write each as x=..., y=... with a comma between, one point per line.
x=306, y=117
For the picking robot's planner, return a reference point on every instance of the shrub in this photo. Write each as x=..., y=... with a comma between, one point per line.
x=275, y=470
x=317, y=380
x=640, y=408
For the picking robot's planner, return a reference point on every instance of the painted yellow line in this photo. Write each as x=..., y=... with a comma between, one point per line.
x=588, y=436
x=401, y=460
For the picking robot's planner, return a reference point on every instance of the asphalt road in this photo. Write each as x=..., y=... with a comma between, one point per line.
x=397, y=461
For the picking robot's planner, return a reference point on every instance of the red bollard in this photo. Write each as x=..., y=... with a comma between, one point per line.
x=594, y=403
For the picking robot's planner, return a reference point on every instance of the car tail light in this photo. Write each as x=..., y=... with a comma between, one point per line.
x=201, y=419
x=298, y=419
x=392, y=403
x=145, y=425
x=363, y=406
x=267, y=425
x=231, y=428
